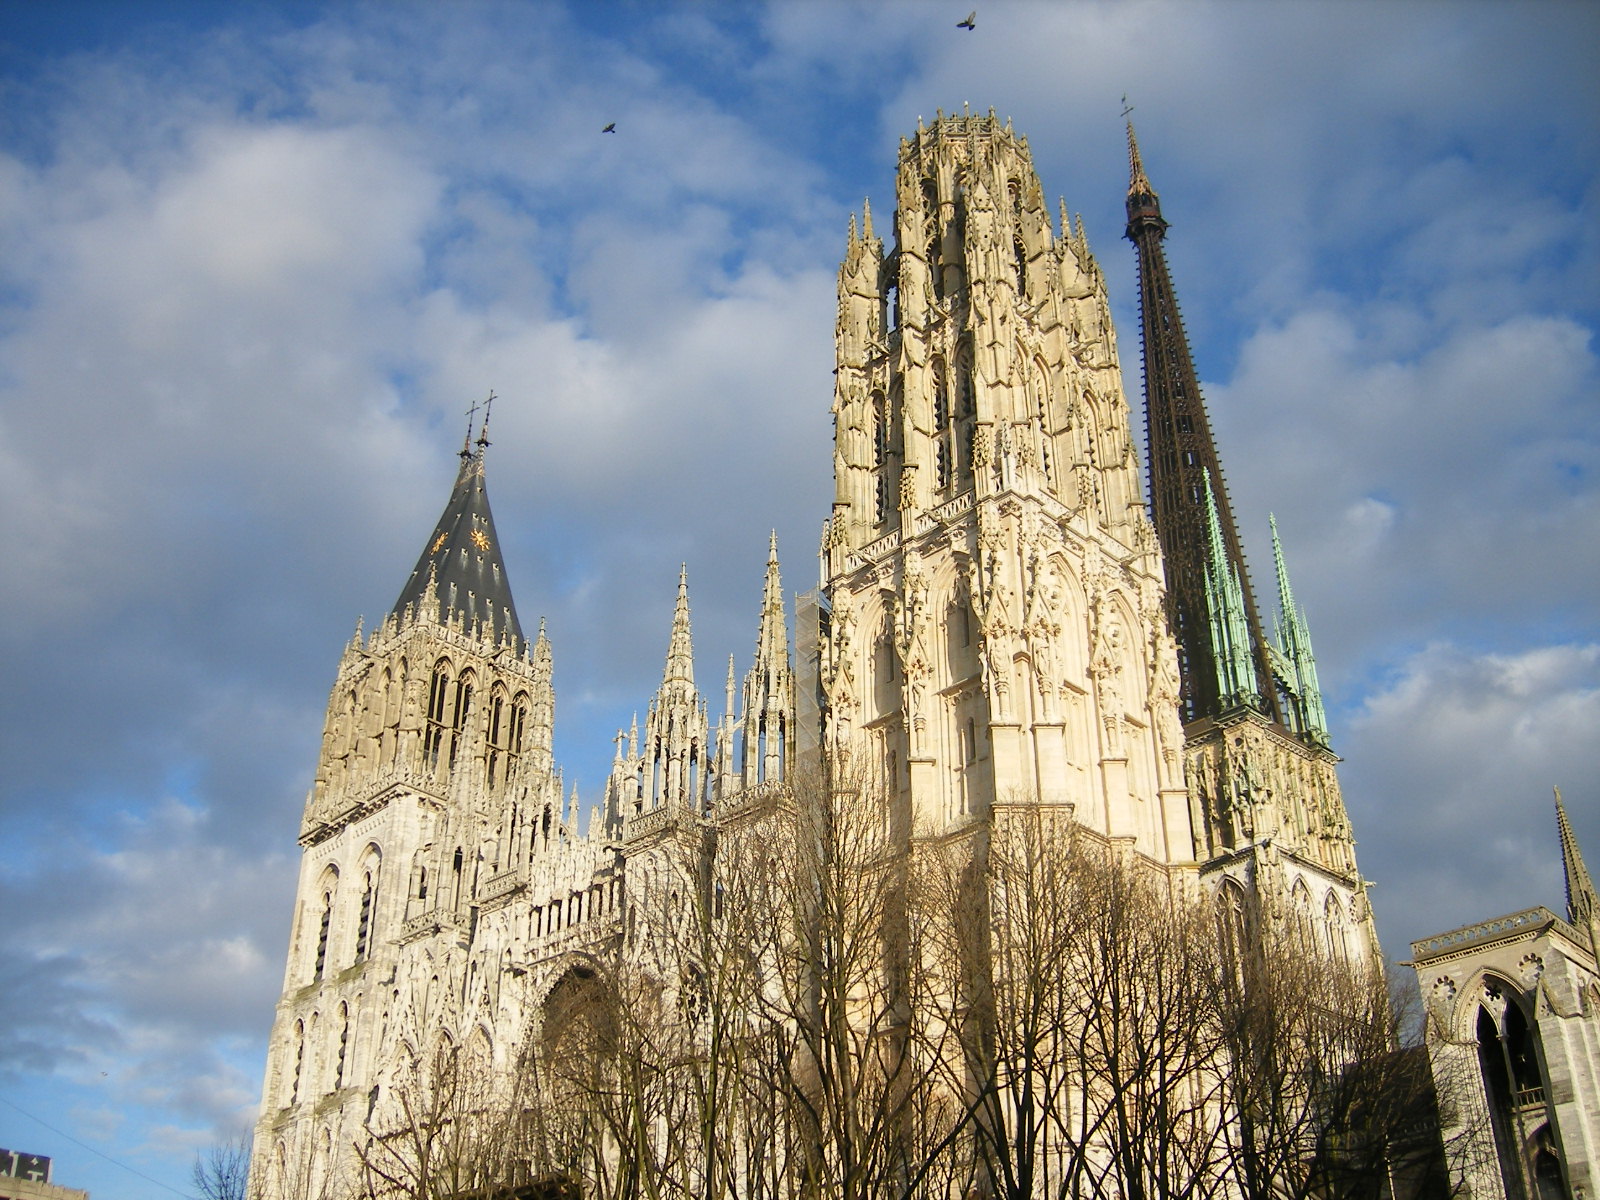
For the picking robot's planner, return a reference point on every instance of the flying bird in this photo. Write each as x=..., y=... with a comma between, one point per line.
x=970, y=23
x=611, y=128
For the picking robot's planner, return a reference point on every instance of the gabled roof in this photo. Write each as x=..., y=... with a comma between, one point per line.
x=462, y=559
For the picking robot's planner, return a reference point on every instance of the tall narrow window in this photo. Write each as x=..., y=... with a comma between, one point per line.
x=364, y=926
x=966, y=425
x=299, y=1061
x=519, y=722
x=497, y=722
x=322, y=934
x=344, y=1044
x=458, y=717
x=438, y=693
x=943, y=430
x=1041, y=387
x=880, y=455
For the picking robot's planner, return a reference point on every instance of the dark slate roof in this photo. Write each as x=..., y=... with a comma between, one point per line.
x=463, y=555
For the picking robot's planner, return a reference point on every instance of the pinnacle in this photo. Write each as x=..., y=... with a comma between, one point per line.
x=1581, y=899
x=1138, y=181
x=680, y=651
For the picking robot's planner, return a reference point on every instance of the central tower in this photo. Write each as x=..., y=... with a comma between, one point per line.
x=996, y=633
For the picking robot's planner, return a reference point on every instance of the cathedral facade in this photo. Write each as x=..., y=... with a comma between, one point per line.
x=1006, y=628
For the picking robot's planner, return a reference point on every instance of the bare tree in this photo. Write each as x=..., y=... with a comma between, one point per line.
x=223, y=1171
x=1324, y=1097
x=1089, y=984
x=449, y=1129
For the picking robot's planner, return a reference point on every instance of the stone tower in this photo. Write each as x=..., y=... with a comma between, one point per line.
x=1268, y=811
x=996, y=634
x=435, y=803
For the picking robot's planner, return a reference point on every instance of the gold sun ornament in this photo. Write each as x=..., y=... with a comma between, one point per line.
x=480, y=539
x=439, y=541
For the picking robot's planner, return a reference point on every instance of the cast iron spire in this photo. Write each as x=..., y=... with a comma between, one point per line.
x=1186, y=479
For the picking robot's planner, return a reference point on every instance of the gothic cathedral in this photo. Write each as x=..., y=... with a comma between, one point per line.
x=1005, y=625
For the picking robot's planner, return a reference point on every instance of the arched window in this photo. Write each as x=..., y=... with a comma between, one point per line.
x=369, y=889
x=1041, y=393
x=1300, y=914
x=438, y=698
x=498, y=728
x=1233, y=928
x=1019, y=250
x=324, y=928
x=880, y=455
x=519, y=722
x=344, y=1046
x=460, y=710
x=1508, y=1061
x=1333, y=925
x=299, y=1061
x=944, y=451
x=966, y=408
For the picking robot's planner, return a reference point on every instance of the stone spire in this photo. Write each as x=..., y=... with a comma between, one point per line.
x=769, y=687
x=541, y=733
x=1294, y=643
x=680, y=649
x=460, y=575
x=1583, y=906
x=675, y=735
x=1181, y=458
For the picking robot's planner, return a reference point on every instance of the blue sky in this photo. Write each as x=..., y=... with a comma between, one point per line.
x=261, y=257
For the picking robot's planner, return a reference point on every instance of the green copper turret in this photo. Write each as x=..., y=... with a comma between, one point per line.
x=1297, y=665
x=1225, y=610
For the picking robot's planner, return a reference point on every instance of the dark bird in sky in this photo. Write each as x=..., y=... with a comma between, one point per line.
x=970, y=23
x=611, y=128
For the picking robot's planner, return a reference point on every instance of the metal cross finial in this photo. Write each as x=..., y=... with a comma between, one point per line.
x=1126, y=107
x=466, y=442
x=483, y=432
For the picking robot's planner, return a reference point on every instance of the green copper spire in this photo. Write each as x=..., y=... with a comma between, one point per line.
x=1294, y=644
x=1225, y=609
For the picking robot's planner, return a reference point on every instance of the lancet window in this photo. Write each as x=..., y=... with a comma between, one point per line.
x=519, y=722
x=438, y=701
x=1041, y=401
x=499, y=728
x=344, y=1046
x=880, y=456
x=299, y=1061
x=364, y=923
x=459, y=711
x=324, y=928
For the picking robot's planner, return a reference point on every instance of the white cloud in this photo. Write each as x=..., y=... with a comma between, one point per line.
x=1449, y=774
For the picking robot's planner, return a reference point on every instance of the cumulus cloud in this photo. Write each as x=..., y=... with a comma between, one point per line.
x=1449, y=774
